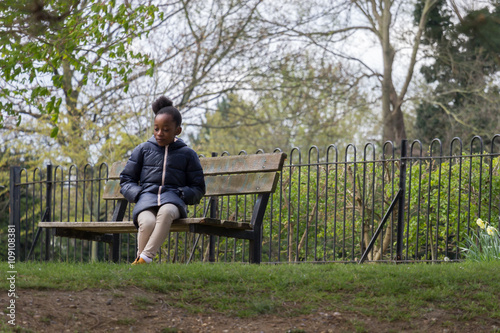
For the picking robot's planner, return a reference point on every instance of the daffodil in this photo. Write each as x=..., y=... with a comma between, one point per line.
x=484, y=244
x=481, y=223
x=491, y=231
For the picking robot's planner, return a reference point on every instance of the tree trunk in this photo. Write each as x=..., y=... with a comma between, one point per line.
x=393, y=119
x=394, y=126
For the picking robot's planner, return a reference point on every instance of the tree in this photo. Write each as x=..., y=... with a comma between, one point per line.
x=50, y=50
x=299, y=103
x=465, y=58
x=206, y=50
x=337, y=29
x=200, y=51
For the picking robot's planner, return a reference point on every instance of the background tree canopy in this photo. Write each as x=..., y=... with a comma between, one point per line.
x=463, y=100
x=78, y=77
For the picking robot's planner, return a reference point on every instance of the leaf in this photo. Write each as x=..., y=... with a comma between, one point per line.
x=54, y=132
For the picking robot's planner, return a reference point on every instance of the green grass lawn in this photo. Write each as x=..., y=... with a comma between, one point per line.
x=385, y=291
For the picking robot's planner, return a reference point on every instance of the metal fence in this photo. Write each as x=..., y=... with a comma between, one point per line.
x=387, y=203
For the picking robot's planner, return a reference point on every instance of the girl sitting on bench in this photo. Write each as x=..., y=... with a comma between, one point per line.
x=162, y=175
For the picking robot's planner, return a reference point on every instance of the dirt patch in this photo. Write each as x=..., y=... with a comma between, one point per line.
x=135, y=310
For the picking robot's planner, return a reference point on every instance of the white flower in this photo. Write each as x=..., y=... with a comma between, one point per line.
x=491, y=231
x=481, y=223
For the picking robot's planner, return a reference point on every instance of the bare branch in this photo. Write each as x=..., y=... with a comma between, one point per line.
x=416, y=45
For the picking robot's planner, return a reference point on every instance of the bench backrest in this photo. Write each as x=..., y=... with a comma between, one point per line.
x=224, y=175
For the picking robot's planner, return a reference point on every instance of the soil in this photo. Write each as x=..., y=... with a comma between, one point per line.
x=135, y=310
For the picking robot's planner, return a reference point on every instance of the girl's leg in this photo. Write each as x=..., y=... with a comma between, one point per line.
x=166, y=214
x=146, y=221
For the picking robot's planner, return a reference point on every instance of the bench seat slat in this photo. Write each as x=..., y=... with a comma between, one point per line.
x=242, y=163
x=112, y=190
x=178, y=225
x=240, y=184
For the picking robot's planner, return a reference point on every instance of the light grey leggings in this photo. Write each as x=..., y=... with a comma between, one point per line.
x=154, y=228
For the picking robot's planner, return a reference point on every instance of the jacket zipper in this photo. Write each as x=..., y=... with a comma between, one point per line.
x=164, y=171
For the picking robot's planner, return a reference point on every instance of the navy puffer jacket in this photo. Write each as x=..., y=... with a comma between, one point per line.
x=154, y=176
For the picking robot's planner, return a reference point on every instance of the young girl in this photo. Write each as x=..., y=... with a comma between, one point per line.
x=161, y=177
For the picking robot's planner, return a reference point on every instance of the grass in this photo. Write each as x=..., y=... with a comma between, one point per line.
x=383, y=291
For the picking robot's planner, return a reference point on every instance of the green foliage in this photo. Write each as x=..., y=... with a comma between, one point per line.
x=463, y=99
x=483, y=245
x=444, y=200
x=330, y=212
x=42, y=42
x=308, y=218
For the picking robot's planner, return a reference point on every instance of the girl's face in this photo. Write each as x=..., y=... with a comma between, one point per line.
x=165, y=129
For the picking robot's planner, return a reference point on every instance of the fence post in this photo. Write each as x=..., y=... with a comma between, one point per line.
x=401, y=202
x=48, y=209
x=15, y=208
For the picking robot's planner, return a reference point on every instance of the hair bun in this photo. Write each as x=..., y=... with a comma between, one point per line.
x=161, y=103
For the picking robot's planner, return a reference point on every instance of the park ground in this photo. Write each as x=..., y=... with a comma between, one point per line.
x=246, y=298
x=135, y=310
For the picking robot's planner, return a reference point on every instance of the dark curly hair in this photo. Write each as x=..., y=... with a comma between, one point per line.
x=164, y=105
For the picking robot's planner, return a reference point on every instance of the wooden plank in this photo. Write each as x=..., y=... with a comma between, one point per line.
x=250, y=183
x=240, y=183
x=86, y=235
x=179, y=225
x=112, y=190
x=124, y=227
x=216, y=223
x=226, y=164
x=101, y=227
x=224, y=232
x=243, y=163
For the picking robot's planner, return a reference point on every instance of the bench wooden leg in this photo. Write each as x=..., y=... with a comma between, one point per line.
x=257, y=217
x=118, y=215
x=255, y=252
x=211, y=248
x=114, y=249
x=214, y=212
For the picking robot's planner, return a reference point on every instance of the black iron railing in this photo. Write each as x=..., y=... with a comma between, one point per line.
x=397, y=204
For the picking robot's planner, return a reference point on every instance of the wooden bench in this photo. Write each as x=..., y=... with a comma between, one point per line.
x=224, y=176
